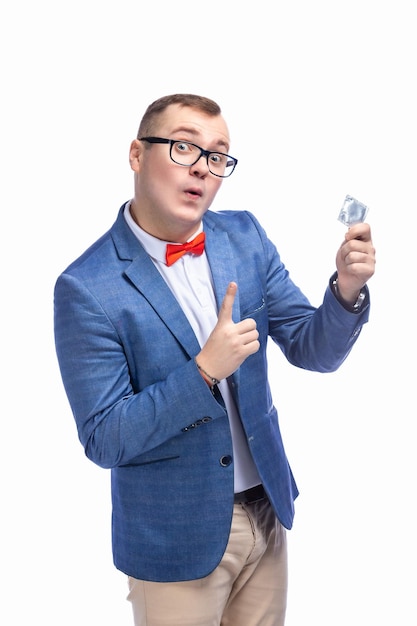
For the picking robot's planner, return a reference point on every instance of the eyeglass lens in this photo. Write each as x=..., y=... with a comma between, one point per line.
x=185, y=153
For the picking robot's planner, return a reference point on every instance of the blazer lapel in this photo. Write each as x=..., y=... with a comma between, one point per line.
x=223, y=270
x=222, y=265
x=145, y=277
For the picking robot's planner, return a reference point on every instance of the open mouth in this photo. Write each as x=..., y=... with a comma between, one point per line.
x=195, y=193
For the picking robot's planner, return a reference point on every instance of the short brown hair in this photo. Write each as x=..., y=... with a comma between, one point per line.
x=183, y=99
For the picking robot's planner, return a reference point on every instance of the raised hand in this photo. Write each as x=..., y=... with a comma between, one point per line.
x=355, y=261
x=230, y=343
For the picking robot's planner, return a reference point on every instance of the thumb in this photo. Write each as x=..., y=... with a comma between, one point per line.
x=225, y=313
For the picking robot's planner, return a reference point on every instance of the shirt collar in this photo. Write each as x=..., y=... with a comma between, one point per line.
x=156, y=248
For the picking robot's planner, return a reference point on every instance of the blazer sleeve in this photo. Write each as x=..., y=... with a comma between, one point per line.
x=312, y=338
x=117, y=423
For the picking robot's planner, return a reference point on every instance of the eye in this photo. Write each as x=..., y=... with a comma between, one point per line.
x=183, y=146
x=217, y=159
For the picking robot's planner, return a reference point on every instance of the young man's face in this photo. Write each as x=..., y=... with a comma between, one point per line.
x=170, y=199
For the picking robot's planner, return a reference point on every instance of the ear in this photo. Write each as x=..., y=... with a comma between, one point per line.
x=135, y=152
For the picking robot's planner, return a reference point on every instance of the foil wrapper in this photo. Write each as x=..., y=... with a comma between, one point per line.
x=352, y=212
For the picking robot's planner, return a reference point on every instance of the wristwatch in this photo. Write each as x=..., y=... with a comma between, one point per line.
x=356, y=307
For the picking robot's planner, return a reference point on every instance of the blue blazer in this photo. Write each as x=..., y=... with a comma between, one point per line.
x=126, y=350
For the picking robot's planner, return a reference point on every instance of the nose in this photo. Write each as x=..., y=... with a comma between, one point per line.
x=200, y=168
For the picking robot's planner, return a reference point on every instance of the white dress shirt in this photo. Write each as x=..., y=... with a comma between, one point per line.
x=190, y=280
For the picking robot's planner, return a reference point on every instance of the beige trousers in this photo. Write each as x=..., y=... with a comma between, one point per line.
x=248, y=588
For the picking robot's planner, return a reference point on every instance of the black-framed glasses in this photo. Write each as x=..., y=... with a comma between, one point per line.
x=187, y=153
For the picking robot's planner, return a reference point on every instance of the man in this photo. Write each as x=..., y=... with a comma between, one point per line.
x=162, y=352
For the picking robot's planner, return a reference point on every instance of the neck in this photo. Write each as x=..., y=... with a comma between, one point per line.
x=170, y=233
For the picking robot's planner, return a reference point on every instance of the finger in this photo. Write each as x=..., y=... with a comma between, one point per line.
x=251, y=339
x=225, y=313
x=247, y=325
x=357, y=245
x=359, y=231
x=356, y=257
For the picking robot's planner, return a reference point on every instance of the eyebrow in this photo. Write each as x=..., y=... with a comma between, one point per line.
x=193, y=132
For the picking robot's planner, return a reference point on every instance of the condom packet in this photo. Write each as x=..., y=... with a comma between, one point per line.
x=352, y=212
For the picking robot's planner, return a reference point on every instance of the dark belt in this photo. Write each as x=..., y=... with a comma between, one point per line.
x=254, y=494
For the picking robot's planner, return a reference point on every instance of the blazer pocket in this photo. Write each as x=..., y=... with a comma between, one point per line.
x=254, y=308
x=148, y=461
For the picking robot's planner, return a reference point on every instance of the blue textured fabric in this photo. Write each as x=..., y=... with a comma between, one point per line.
x=142, y=409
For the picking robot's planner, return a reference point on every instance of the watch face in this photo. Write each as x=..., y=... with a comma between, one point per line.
x=359, y=301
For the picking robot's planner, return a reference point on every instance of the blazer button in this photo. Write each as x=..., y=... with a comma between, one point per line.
x=225, y=460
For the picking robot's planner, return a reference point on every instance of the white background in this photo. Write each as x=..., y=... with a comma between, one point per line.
x=321, y=101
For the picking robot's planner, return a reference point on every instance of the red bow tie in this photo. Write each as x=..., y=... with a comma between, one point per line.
x=175, y=251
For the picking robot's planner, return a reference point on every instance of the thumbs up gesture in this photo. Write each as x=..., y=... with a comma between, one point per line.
x=230, y=343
